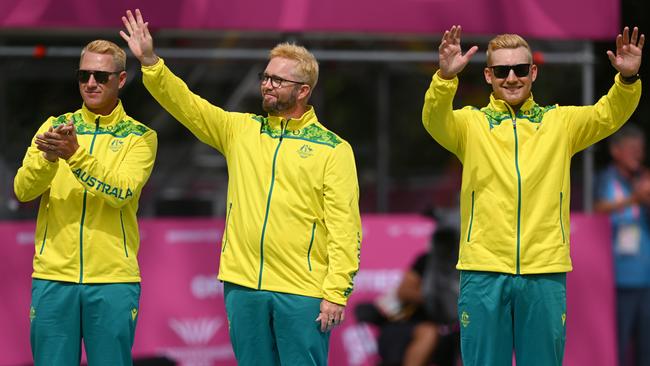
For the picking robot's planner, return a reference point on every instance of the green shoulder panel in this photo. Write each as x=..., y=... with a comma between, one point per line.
x=534, y=115
x=122, y=129
x=312, y=133
x=494, y=117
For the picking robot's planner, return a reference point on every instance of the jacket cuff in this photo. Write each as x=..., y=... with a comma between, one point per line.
x=76, y=158
x=153, y=68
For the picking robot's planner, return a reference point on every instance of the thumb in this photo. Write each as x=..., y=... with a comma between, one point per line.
x=471, y=52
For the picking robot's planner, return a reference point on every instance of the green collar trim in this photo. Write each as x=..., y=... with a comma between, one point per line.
x=121, y=129
x=535, y=114
x=312, y=133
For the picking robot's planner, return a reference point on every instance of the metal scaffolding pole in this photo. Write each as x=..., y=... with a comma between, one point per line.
x=383, y=142
x=588, y=99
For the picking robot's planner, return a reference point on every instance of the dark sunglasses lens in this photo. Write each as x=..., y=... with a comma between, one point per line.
x=501, y=71
x=83, y=76
x=521, y=70
x=100, y=76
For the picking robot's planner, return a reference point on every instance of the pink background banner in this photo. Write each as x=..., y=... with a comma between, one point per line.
x=182, y=313
x=577, y=19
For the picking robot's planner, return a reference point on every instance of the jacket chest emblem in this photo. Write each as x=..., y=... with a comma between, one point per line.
x=305, y=151
x=116, y=145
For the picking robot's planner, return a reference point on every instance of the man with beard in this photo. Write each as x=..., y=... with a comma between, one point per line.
x=291, y=245
x=516, y=154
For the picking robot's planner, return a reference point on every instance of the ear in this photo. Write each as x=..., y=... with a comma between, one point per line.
x=487, y=73
x=304, y=92
x=122, y=77
x=533, y=72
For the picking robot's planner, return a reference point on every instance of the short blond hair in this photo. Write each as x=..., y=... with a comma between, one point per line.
x=510, y=41
x=307, y=70
x=107, y=48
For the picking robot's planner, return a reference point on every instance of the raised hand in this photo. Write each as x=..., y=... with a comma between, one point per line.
x=138, y=37
x=452, y=61
x=627, y=59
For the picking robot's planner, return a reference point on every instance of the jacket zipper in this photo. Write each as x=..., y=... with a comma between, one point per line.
x=126, y=252
x=225, y=232
x=311, y=242
x=83, y=212
x=561, y=222
x=514, y=130
x=471, y=220
x=268, y=203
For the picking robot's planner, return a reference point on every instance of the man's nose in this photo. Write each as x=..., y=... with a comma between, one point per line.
x=92, y=81
x=511, y=76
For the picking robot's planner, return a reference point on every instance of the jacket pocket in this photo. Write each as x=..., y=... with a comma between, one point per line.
x=311, y=243
x=44, y=238
x=471, y=220
x=562, y=221
x=225, y=230
x=126, y=251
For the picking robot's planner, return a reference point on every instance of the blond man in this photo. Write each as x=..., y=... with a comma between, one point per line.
x=88, y=168
x=514, y=248
x=291, y=245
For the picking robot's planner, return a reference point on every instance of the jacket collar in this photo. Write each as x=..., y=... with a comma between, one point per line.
x=501, y=106
x=277, y=122
x=118, y=114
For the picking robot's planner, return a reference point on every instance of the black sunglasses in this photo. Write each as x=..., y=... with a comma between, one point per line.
x=100, y=76
x=502, y=71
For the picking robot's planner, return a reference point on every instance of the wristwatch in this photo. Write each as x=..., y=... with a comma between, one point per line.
x=630, y=79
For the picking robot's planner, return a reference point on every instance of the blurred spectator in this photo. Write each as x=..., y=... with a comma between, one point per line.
x=418, y=321
x=624, y=193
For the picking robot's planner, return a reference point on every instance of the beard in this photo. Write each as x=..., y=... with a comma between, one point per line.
x=280, y=104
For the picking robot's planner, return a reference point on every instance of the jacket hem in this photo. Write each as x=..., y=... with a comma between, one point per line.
x=86, y=280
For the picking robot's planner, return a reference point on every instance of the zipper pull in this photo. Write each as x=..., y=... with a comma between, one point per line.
x=281, y=131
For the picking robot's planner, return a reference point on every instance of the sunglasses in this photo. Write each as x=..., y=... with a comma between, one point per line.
x=100, y=76
x=502, y=71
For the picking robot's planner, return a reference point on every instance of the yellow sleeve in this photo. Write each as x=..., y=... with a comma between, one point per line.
x=343, y=221
x=35, y=175
x=209, y=123
x=444, y=124
x=587, y=125
x=117, y=186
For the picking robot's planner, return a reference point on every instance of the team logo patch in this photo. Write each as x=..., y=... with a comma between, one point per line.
x=305, y=151
x=134, y=313
x=464, y=319
x=563, y=319
x=32, y=314
x=116, y=145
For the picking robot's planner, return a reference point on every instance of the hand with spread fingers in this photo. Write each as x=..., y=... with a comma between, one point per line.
x=452, y=61
x=627, y=59
x=138, y=38
x=60, y=142
x=330, y=315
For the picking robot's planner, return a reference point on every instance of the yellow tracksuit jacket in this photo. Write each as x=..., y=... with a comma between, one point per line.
x=87, y=231
x=516, y=181
x=292, y=215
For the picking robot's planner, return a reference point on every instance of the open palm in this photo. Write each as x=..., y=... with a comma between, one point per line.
x=627, y=59
x=451, y=58
x=138, y=38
